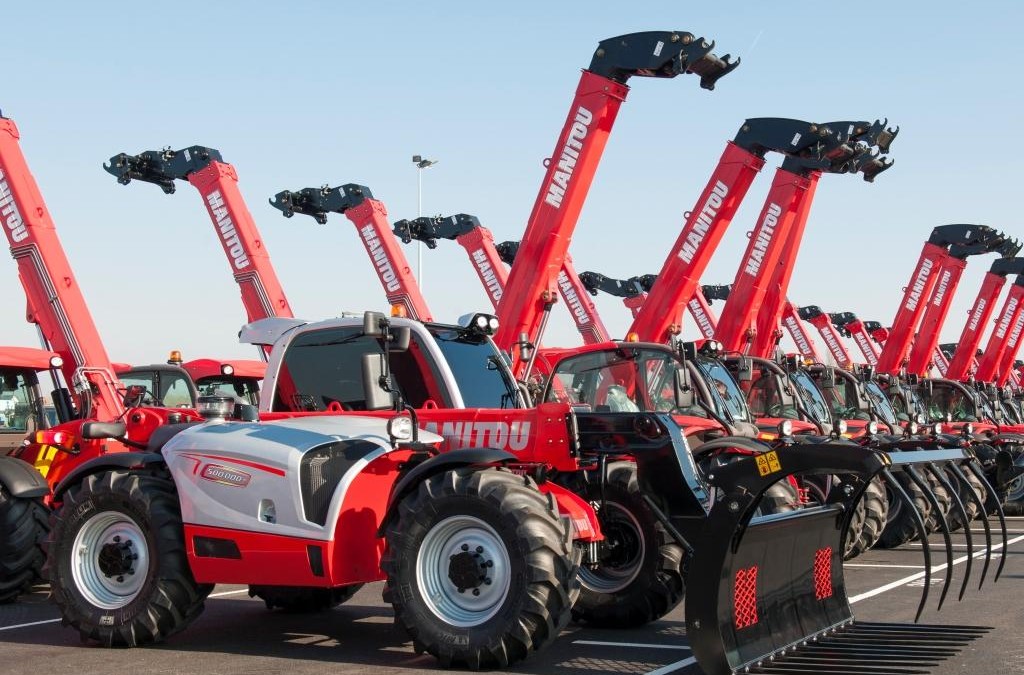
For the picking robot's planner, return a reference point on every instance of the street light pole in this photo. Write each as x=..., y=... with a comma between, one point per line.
x=421, y=164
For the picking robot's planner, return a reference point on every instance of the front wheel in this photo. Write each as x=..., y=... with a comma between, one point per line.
x=479, y=567
x=116, y=560
x=639, y=577
x=23, y=528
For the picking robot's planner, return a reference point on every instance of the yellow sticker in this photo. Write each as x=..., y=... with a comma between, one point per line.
x=45, y=458
x=768, y=463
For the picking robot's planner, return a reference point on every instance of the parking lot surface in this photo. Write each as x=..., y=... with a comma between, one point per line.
x=236, y=634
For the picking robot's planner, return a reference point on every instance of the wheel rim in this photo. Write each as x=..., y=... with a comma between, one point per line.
x=110, y=560
x=1015, y=488
x=463, y=553
x=625, y=539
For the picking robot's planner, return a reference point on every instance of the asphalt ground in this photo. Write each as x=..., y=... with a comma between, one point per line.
x=237, y=634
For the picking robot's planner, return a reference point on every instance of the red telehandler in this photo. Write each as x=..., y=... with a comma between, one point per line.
x=57, y=308
x=850, y=326
x=831, y=335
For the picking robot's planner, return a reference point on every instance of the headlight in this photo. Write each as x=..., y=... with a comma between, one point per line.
x=56, y=362
x=227, y=369
x=481, y=322
x=400, y=428
x=841, y=426
x=872, y=427
x=492, y=323
x=215, y=407
x=913, y=428
x=937, y=429
x=920, y=418
x=969, y=429
x=786, y=428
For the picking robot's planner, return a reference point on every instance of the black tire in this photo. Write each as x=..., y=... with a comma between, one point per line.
x=23, y=528
x=641, y=576
x=945, y=501
x=299, y=599
x=145, y=508
x=529, y=549
x=956, y=521
x=868, y=520
x=899, y=527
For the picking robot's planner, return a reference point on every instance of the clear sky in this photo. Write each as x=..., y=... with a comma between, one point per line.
x=306, y=93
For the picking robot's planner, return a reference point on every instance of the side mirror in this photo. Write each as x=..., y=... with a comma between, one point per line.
x=98, y=430
x=377, y=396
x=371, y=323
x=828, y=378
x=134, y=396
x=745, y=369
x=684, y=394
x=400, y=338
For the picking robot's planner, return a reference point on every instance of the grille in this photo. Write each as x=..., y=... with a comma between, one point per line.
x=320, y=472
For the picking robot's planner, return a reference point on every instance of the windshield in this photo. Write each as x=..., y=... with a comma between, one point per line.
x=478, y=369
x=880, y=403
x=616, y=380
x=729, y=398
x=811, y=396
x=243, y=390
x=954, y=401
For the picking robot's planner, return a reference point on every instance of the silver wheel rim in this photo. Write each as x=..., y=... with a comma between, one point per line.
x=465, y=541
x=101, y=583
x=606, y=579
x=1015, y=488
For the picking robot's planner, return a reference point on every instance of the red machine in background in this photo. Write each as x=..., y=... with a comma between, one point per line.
x=830, y=334
x=217, y=183
x=849, y=325
x=370, y=217
x=962, y=361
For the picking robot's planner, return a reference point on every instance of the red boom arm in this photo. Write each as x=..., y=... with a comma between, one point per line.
x=979, y=316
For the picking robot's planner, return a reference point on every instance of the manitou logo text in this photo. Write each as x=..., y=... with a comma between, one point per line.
x=762, y=239
x=941, y=289
x=380, y=259
x=865, y=347
x=570, y=153
x=226, y=227
x=487, y=274
x=573, y=300
x=514, y=436
x=1015, y=335
x=1004, y=322
x=976, y=316
x=798, y=336
x=701, y=317
x=702, y=223
x=918, y=286
x=834, y=347
x=9, y=212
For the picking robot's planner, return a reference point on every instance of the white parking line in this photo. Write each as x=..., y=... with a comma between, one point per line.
x=640, y=645
x=919, y=575
x=41, y=623
x=673, y=667
x=908, y=567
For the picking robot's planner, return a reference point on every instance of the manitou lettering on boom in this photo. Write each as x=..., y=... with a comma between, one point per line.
x=941, y=290
x=976, y=316
x=226, y=227
x=703, y=322
x=573, y=300
x=1015, y=335
x=919, y=281
x=798, y=335
x=865, y=347
x=380, y=259
x=1004, y=322
x=487, y=274
x=567, y=161
x=9, y=212
x=762, y=239
x=702, y=223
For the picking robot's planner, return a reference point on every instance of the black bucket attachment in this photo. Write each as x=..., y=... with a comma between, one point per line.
x=767, y=593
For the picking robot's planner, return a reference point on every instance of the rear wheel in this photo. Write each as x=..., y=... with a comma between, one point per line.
x=301, y=599
x=639, y=578
x=116, y=560
x=900, y=526
x=956, y=520
x=479, y=567
x=868, y=520
x=945, y=501
x=23, y=528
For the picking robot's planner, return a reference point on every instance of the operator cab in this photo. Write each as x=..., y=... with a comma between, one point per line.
x=23, y=409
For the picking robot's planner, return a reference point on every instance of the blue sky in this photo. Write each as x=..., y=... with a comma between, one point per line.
x=307, y=93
